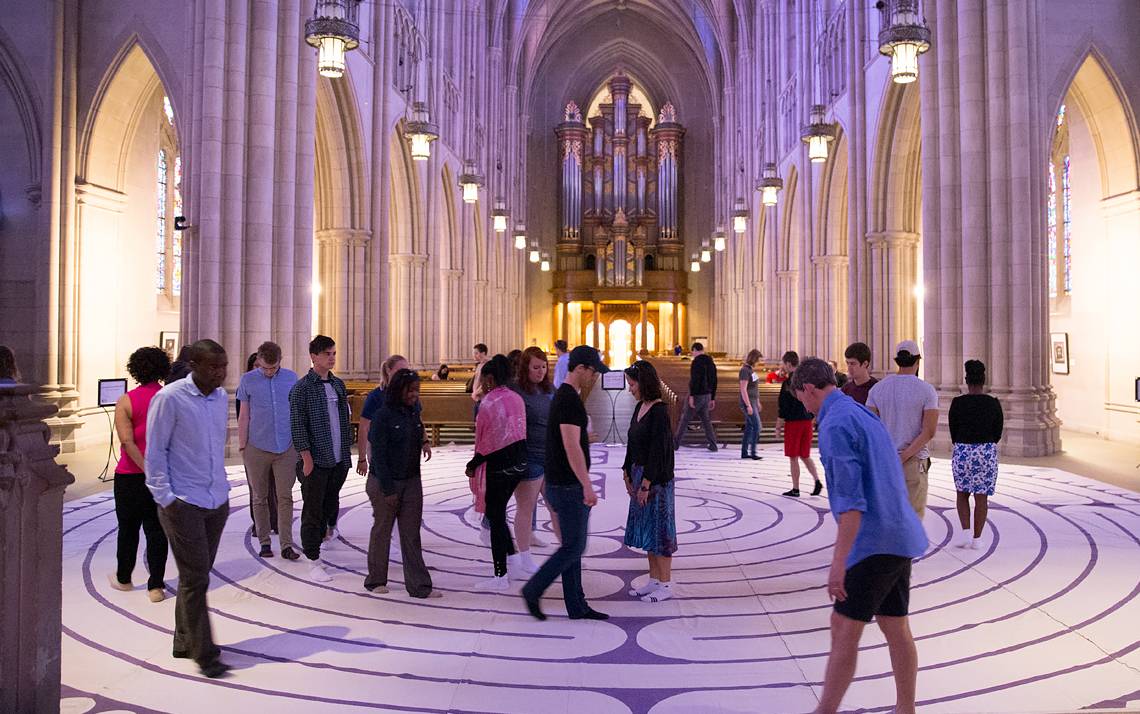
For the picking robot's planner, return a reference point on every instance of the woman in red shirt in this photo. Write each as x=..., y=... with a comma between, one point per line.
x=134, y=505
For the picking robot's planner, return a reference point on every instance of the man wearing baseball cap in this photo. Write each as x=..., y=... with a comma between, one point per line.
x=569, y=491
x=908, y=407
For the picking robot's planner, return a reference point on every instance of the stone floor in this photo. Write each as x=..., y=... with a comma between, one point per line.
x=1043, y=619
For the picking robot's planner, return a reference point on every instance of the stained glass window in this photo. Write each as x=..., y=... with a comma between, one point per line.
x=1067, y=235
x=1061, y=115
x=160, y=232
x=176, y=252
x=1051, y=210
x=168, y=109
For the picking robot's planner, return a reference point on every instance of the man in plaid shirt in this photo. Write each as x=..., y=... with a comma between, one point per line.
x=322, y=435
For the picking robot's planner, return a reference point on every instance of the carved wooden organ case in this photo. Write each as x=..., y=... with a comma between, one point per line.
x=620, y=209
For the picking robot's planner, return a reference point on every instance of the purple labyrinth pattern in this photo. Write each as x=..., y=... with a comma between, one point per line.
x=1043, y=618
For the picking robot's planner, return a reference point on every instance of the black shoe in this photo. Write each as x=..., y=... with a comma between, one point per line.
x=266, y=552
x=712, y=447
x=215, y=669
x=818, y=488
x=289, y=554
x=590, y=614
x=533, y=608
x=795, y=493
x=180, y=654
x=754, y=457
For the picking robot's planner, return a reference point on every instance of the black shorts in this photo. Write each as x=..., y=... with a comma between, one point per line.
x=876, y=585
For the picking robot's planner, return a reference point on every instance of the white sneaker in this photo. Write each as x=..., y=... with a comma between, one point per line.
x=528, y=565
x=645, y=589
x=976, y=544
x=318, y=574
x=330, y=536
x=663, y=592
x=962, y=539
x=501, y=582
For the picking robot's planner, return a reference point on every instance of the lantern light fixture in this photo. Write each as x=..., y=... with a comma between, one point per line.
x=739, y=217
x=903, y=38
x=520, y=236
x=817, y=134
x=706, y=254
x=535, y=256
x=694, y=264
x=499, y=216
x=770, y=184
x=544, y=266
x=333, y=29
x=470, y=181
x=718, y=239
x=420, y=132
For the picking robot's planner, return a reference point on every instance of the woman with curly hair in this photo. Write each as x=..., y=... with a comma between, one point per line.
x=134, y=504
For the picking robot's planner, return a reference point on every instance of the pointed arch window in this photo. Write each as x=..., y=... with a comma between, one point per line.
x=168, y=204
x=1059, y=217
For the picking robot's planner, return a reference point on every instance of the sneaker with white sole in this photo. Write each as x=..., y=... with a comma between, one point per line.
x=318, y=574
x=962, y=538
x=651, y=585
x=976, y=544
x=499, y=582
x=663, y=592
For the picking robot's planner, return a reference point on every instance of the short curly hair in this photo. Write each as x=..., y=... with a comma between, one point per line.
x=149, y=364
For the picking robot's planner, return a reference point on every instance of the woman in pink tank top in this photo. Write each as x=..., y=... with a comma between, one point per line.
x=134, y=506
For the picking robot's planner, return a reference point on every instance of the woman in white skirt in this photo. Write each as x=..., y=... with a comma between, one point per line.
x=976, y=422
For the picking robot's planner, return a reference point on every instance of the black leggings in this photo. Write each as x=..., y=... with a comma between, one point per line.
x=500, y=486
x=135, y=507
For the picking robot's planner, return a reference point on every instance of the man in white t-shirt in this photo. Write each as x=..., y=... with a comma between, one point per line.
x=908, y=407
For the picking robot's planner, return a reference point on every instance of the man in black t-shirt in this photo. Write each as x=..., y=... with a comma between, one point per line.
x=569, y=492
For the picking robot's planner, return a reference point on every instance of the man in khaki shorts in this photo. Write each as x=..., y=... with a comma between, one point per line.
x=908, y=408
x=266, y=443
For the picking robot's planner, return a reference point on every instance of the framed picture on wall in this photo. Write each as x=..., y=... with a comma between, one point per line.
x=1060, y=352
x=169, y=342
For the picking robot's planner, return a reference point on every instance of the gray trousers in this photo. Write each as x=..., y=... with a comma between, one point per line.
x=701, y=408
x=194, y=535
x=408, y=514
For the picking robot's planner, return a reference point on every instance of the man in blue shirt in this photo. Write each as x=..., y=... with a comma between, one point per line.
x=186, y=473
x=879, y=534
x=266, y=442
x=562, y=365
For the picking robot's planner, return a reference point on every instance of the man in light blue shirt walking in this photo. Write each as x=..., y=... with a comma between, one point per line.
x=186, y=474
x=879, y=534
x=265, y=440
x=562, y=365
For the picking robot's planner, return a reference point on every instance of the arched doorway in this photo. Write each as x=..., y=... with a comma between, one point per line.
x=128, y=192
x=1092, y=219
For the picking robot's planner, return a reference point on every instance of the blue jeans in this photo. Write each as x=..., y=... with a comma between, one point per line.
x=751, y=430
x=574, y=520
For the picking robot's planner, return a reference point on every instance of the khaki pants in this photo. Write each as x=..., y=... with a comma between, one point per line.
x=914, y=471
x=258, y=467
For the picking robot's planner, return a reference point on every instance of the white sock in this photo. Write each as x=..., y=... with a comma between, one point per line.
x=650, y=586
x=663, y=592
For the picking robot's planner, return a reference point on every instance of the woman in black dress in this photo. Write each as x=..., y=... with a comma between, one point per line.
x=648, y=469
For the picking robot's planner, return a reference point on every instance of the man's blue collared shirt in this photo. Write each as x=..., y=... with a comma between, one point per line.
x=864, y=474
x=561, y=369
x=267, y=399
x=186, y=445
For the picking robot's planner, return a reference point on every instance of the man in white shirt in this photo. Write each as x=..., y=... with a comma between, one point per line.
x=908, y=408
x=186, y=429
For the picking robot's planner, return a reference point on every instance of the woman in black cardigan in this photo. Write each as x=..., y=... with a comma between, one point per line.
x=651, y=525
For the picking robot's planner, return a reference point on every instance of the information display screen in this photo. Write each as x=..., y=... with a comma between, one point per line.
x=613, y=381
x=110, y=390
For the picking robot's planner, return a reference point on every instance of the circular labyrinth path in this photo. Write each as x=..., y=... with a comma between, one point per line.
x=1045, y=618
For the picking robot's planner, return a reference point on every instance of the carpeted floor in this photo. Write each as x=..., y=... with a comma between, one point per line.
x=1044, y=618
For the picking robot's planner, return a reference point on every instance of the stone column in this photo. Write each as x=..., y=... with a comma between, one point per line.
x=31, y=530
x=787, y=297
x=342, y=255
x=565, y=328
x=597, y=324
x=984, y=155
x=644, y=325
x=893, y=306
x=250, y=170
